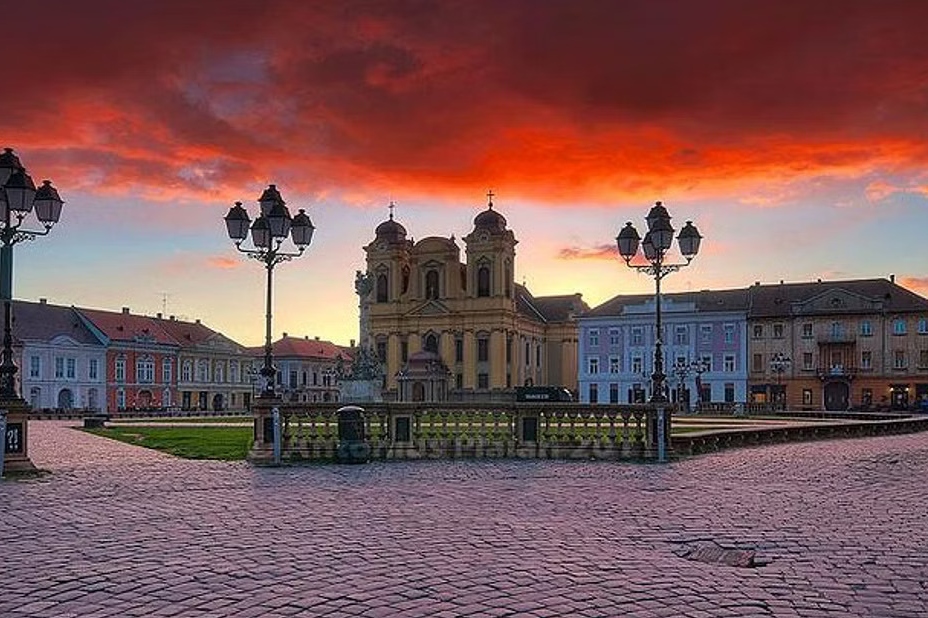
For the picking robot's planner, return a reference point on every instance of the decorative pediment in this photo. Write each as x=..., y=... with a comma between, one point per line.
x=836, y=300
x=430, y=307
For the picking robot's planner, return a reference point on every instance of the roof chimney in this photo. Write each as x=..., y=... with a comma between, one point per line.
x=316, y=337
x=197, y=320
x=125, y=311
x=352, y=344
x=172, y=318
x=158, y=315
x=43, y=301
x=285, y=334
x=892, y=278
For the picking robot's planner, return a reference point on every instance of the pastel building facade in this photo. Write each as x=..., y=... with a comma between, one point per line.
x=705, y=329
x=61, y=361
x=214, y=372
x=307, y=368
x=852, y=344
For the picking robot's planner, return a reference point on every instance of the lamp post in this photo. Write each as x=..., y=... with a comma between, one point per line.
x=779, y=364
x=268, y=232
x=18, y=198
x=657, y=241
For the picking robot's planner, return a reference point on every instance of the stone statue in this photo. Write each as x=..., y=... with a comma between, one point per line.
x=361, y=380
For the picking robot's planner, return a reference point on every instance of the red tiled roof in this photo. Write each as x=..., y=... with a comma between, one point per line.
x=306, y=348
x=122, y=326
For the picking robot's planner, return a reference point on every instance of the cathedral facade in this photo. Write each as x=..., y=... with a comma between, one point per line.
x=467, y=320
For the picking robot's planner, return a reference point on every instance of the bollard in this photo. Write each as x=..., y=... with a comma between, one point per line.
x=277, y=446
x=661, y=436
x=2, y=439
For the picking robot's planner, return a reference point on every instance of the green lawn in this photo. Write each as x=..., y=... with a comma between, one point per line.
x=228, y=443
x=183, y=419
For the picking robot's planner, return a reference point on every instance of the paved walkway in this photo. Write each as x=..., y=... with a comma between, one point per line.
x=117, y=530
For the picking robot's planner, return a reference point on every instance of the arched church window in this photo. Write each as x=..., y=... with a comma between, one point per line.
x=483, y=281
x=431, y=284
x=405, y=279
x=431, y=343
x=381, y=288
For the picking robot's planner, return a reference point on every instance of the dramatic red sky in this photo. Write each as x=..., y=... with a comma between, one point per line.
x=804, y=119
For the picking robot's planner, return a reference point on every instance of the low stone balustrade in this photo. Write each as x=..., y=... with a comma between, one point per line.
x=310, y=432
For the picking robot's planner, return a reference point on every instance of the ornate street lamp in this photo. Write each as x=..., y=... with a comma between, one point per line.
x=779, y=364
x=18, y=198
x=657, y=241
x=268, y=232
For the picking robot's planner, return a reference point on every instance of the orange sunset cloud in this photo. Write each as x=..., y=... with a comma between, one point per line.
x=558, y=101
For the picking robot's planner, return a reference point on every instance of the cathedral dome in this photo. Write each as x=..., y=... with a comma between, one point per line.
x=489, y=219
x=390, y=230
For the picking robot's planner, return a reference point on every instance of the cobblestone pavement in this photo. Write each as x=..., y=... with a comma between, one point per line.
x=840, y=529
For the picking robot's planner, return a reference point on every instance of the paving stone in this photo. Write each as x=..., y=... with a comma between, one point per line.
x=836, y=529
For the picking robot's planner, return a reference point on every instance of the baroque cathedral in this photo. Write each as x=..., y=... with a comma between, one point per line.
x=452, y=330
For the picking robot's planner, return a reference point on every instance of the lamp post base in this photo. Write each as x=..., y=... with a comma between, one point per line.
x=16, y=436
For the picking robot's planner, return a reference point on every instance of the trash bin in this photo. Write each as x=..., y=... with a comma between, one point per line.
x=352, y=445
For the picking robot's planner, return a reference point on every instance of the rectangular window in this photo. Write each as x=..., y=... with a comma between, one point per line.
x=758, y=331
x=923, y=326
x=538, y=356
x=705, y=333
x=121, y=399
x=71, y=368
x=807, y=396
x=899, y=326
x=593, y=365
x=637, y=365
x=35, y=367
x=594, y=393
x=729, y=363
x=594, y=337
x=899, y=360
x=613, y=336
x=637, y=336
x=706, y=361
x=757, y=365
x=459, y=380
x=729, y=333
x=866, y=396
x=923, y=359
x=458, y=350
x=483, y=350
x=866, y=328
x=866, y=360
x=93, y=369
x=294, y=378
x=404, y=351
x=59, y=367
x=807, y=330
x=613, y=393
x=120, y=370
x=382, y=351
x=777, y=331
x=729, y=392
x=681, y=335
x=614, y=365
x=807, y=361
x=483, y=380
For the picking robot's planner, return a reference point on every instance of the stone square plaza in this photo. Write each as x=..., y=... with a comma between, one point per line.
x=813, y=529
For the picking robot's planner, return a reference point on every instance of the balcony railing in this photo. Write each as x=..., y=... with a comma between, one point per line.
x=837, y=371
x=311, y=431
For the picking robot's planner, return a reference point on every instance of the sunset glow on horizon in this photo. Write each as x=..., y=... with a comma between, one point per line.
x=794, y=134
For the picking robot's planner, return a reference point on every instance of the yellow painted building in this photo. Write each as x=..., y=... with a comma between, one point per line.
x=855, y=344
x=467, y=319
